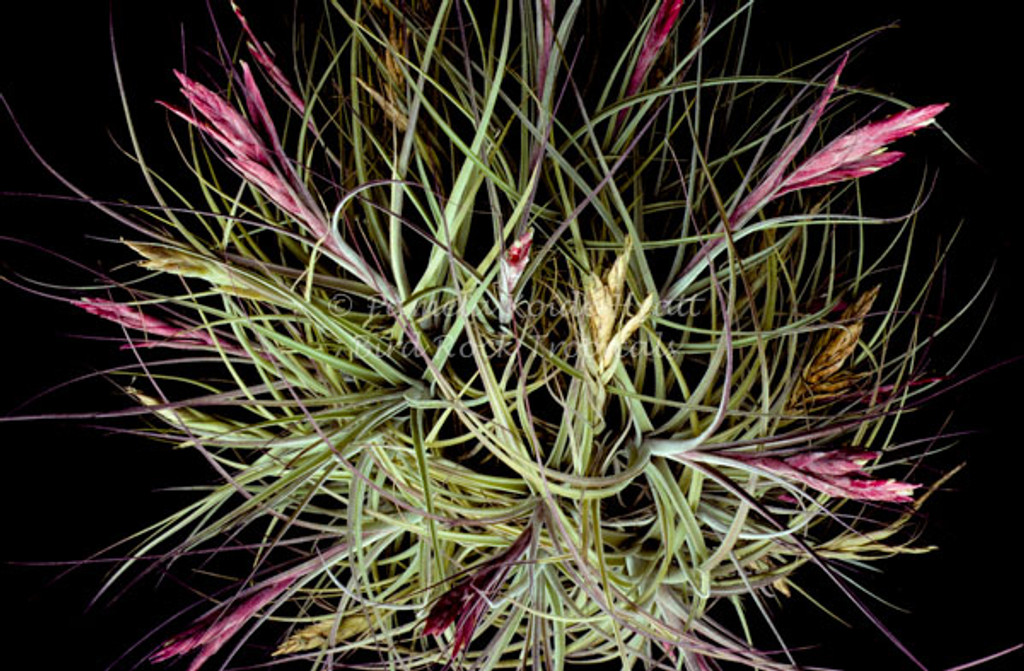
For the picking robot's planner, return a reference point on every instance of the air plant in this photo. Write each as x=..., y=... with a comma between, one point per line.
x=508, y=372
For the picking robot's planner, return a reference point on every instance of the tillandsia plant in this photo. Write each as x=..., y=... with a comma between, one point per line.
x=508, y=360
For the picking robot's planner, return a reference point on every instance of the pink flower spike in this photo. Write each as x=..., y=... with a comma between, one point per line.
x=131, y=317
x=833, y=462
x=254, y=101
x=833, y=472
x=859, y=152
x=248, y=154
x=767, y=189
x=223, y=122
x=215, y=629
x=657, y=35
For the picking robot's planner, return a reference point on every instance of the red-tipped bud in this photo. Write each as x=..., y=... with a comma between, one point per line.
x=513, y=264
x=465, y=603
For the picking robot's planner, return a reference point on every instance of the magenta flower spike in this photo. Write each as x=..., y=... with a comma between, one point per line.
x=768, y=188
x=656, y=37
x=854, y=154
x=859, y=152
x=263, y=174
x=267, y=169
x=131, y=317
x=211, y=632
x=466, y=602
x=251, y=158
x=249, y=155
x=220, y=120
x=837, y=473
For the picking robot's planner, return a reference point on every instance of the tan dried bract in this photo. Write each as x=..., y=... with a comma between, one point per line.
x=604, y=301
x=824, y=378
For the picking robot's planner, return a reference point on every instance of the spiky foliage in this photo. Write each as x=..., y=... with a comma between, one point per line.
x=512, y=367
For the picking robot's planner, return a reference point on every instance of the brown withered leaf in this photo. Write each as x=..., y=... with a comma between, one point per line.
x=824, y=378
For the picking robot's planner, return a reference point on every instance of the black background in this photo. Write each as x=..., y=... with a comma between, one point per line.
x=70, y=490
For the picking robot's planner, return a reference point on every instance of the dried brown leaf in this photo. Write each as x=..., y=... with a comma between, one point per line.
x=824, y=377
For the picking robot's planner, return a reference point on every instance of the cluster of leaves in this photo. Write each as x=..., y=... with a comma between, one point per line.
x=553, y=372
